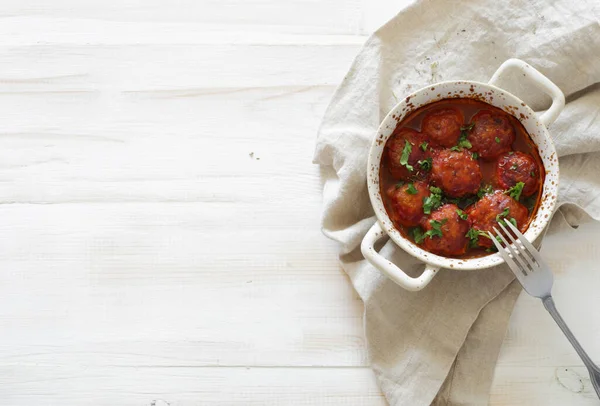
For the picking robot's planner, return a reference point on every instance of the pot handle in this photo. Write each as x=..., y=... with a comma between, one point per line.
x=541, y=81
x=390, y=270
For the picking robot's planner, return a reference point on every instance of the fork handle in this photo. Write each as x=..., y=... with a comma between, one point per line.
x=591, y=366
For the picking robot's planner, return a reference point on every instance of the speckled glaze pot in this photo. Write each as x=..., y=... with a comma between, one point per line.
x=487, y=92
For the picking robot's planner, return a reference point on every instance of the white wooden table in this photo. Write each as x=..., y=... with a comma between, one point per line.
x=160, y=237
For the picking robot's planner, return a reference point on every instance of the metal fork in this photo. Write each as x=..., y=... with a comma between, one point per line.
x=535, y=276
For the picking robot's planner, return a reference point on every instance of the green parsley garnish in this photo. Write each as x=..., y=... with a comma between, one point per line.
x=436, y=231
x=425, y=164
x=462, y=202
x=463, y=142
x=532, y=173
x=475, y=155
x=501, y=218
x=433, y=201
x=514, y=167
x=461, y=214
x=515, y=191
x=468, y=127
x=503, y=214
x=465, y=202
x=497, y=140
x=436, y=228
x=529, y=202
x=399, y=184
x=473, y=235
x=485, y=190
x=411, y=189
x=405, y=154
x=418, y=235
x=424, y=146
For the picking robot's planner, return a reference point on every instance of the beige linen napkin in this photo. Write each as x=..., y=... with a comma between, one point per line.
x=439, y=346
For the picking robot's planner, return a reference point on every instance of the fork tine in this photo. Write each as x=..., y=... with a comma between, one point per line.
x=529, y=246
x=505, y=255
x=522, y=264
x=515, y=252
x=522, y=251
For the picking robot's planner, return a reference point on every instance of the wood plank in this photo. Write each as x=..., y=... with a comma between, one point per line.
x=331, y=16
x=160, y=150
x=533, y=337
x=151, y=213
x=130, y=136
x=540, y=385
x=152, y=284
x=188, y=386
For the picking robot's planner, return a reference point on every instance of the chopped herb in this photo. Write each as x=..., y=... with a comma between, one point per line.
x=501, y=218
x=503, y=214
x=424, y=146
x=529, y=202
x=399, y=184
x=436, y=228
x=436, y=231
x=463, y=142
x=515, y=191
x=475, y=155
x=425, y=164
x=511, y=152
x=532, y=173
x=468, y=127
x=462, y=202
x=418, y=235
x=465, y=202
x=493, y=247
x=473, y=235
x=461, y=214
x=405, y=154
x=433, y=201
x=497, y=140
x=411, y=189
x=485, y=190
x=514, y=167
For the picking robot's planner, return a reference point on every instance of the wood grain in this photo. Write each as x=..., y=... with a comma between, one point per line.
x=160, y=230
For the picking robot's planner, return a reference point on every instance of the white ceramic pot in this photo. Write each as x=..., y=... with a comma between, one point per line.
x=487, y=92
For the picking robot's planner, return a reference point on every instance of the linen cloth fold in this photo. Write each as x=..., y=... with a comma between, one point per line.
x=440, y=345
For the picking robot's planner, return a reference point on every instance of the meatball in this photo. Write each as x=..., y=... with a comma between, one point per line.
x=484, y=214
x=456, y=172
x=518, y=167
x=443, y=127
x=395, y=147
x=492, y=134
x=407, y=203
x=453, y=228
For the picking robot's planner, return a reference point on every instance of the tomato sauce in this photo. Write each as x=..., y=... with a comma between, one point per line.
x=482, y=123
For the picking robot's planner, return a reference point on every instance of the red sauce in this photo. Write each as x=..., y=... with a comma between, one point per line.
x=497, y=135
